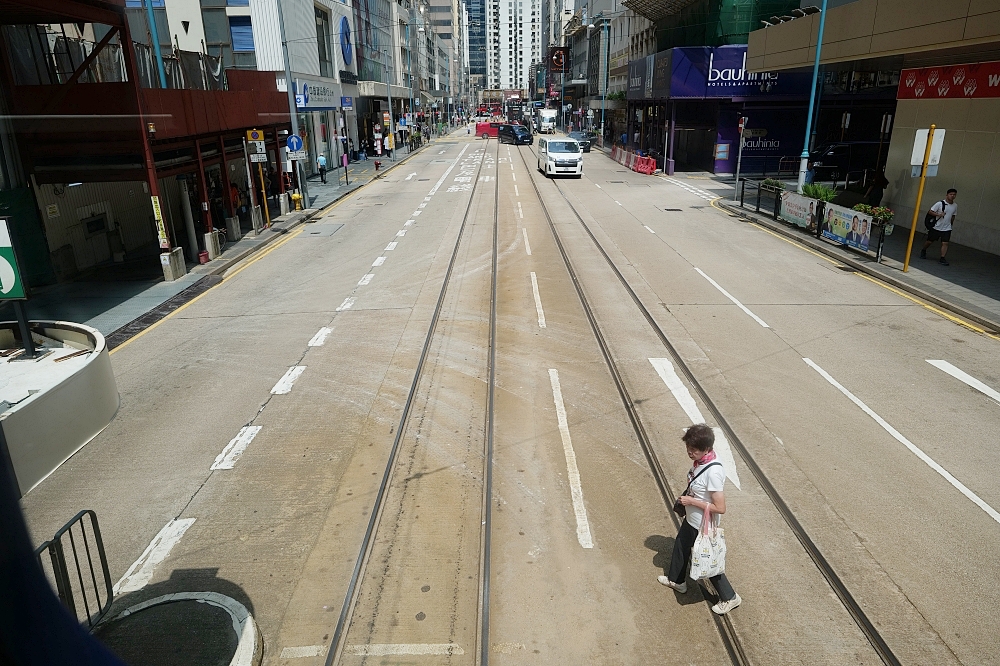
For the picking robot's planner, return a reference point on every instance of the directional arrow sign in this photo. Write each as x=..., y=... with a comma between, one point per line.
x=294, y=143
x=11, y=285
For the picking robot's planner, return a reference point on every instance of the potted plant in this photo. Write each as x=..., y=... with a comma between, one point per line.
x=880, y=214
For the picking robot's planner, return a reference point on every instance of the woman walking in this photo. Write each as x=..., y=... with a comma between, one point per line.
x=705, y=491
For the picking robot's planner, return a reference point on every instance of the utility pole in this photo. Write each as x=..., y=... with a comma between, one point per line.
x=292, y=109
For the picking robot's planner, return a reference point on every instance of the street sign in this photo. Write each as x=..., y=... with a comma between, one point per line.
x=255, y=135
x=590, y=113
x=294, y=143
x=258, y=157
x=755, y=132
x=11, y=284
x=298, y=155
x=920, y=144
x=347, y=103
x=743, y=122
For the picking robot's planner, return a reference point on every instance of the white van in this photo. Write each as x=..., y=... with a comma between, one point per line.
x=560, y=156
x=547, y=121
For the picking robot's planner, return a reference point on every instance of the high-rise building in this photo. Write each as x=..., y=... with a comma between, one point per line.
x=514, y=41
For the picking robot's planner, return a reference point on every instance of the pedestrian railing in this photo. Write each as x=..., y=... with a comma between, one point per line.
x=760, y=197
x=78, y=568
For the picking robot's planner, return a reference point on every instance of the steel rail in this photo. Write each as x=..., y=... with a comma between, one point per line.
x=853, y=608
x=337, y=642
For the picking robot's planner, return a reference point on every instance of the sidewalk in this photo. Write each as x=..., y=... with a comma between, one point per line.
x=969, y=287
x=120, y=305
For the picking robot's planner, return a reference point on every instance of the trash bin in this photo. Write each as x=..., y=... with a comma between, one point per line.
x=203, y=257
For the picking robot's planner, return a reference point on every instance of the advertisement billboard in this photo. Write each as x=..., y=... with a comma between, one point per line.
x=847, y=226
x=720, y=72
x=956, y=82
x=559, y=60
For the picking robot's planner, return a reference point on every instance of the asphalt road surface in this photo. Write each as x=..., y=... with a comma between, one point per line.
x=257, y=423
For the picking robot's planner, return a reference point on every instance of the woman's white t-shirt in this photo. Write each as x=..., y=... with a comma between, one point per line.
x=711, y=481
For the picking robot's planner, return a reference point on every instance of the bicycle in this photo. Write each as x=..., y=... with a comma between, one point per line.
x=223, y=239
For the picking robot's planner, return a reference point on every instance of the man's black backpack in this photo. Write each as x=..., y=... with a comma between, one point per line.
x=930, y=219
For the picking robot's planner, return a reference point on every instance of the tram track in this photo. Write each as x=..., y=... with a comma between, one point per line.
x=724, y=625
x=338, y=641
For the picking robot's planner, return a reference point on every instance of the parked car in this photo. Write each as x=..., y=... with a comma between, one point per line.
x=582, y=138
x=560, y=156
x=515, y=134
x=487, y=130
x=834, y=161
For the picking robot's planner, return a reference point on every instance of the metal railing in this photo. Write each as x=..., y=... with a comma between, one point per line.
x=76, y=581
x=761, y=197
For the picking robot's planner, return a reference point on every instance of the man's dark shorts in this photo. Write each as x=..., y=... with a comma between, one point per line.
x=943, y=236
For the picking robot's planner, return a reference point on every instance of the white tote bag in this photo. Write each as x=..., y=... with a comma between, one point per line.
x=708, y=555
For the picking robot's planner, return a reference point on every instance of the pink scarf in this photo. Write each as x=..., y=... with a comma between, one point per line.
x=704, y=460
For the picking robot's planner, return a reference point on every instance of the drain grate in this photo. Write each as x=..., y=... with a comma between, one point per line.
x=140, y=324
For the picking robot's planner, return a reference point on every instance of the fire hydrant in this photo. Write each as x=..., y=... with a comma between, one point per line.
x=297, y=199
x=378, y=165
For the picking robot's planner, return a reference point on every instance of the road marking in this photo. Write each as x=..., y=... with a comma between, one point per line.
x=237, y=445
x=514, y=176
x=572, y=472
x=366, y=279
x=390, y=246
x=391, y=649
x=284, y=384
x=347, y=304
x=538, y=300
x=619, y=203
x=649, y=230
x=408, y=223
x=447, y=171
x=320, y=337
x=417, y=212
x=401, y=233
x=304, y=651
x=966, y=378
x=141, y=571
x=519, y=211
x=907, y=443
x=411, y=176
x=599, y=187
x=442, y=152
x=516, y=193
x=428, y=198
x=665, y=369
x=527, y=247
x=378, y=261
x=422, y=205
x=733, y=299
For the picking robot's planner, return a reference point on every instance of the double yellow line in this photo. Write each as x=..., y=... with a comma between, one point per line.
x=902, y=294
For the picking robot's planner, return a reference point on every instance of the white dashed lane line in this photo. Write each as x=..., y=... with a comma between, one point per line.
x=237, y=445
x=284, y=384
x=320, y=337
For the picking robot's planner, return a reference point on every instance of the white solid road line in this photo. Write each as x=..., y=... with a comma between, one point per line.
x=527, y=247
x=730, y=297
x=447, y=171
x=366, y=279
x=967, y=378
x=237, y=445
x=665, y=369
x=390, y=246
x=141, y=571
x=320, y=337
x=347, y=304
x=391, y=649
x=907, y=443
x=284, y=384
x=304, y=651
x=538, y=300
x=649, y=230
x=572, y=471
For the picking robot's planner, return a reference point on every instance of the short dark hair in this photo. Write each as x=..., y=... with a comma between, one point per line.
x=952, y=190
x=700, y=437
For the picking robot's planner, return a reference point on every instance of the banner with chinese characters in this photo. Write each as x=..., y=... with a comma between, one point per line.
x=799, y=210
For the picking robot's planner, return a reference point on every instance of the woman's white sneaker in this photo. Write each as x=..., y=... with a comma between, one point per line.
x=724, y=607
x=680, y=587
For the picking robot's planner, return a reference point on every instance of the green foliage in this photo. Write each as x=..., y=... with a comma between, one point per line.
x=879, y=213
x=819, y=192
x=772, y=183
x=616, y=95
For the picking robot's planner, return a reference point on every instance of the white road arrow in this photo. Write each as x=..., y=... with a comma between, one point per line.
x=411, y=176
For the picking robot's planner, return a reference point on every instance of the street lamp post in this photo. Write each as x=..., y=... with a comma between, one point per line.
x=804, y=161
x=292, y=111
x=388, y=93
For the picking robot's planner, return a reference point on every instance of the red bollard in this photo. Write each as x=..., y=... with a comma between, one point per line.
x=378, y=165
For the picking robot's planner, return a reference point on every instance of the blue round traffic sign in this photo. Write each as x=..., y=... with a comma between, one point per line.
x=294, y=143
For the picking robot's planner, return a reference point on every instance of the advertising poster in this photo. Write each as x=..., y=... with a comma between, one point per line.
x=799, y=210
x=847, y=226
x=977, y=80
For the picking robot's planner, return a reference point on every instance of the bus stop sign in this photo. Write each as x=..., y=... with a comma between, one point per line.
x=11, y=284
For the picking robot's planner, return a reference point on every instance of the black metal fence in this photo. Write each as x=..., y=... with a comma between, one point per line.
x=759, y=197
x=73, y=553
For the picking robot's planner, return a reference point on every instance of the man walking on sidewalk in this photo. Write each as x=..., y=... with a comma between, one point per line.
x=321, y=163
x=945, y=212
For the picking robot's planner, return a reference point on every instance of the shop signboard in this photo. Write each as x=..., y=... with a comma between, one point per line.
x=559, y=60
x=700, y=72
x=770, y=135
x=977, y=80
x=314, y=94
x=847, y=226
x=799, y=210
x=637, y=79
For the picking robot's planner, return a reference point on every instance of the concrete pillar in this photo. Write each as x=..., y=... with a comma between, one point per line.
x=189, y=222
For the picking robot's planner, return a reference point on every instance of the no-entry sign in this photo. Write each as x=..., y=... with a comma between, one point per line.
x=11, y=284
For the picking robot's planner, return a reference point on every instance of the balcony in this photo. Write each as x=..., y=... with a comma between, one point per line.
x=654, y=10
